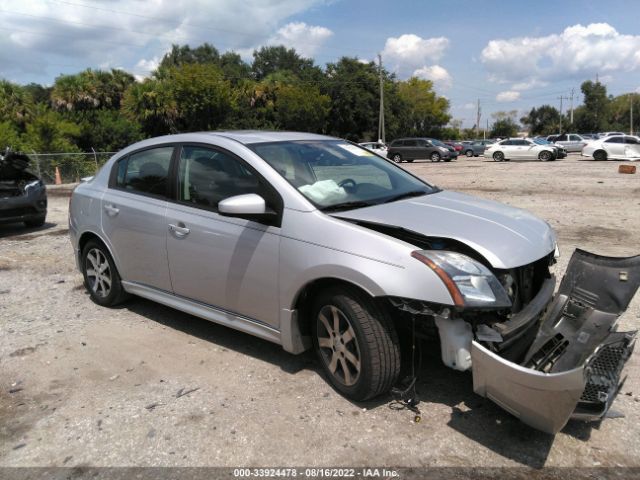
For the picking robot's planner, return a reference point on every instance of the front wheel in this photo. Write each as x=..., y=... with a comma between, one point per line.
x=435, y=157
x=101, y=279
x=469, y=153
x=498, y=157
x=545, y=156
x=356, y=343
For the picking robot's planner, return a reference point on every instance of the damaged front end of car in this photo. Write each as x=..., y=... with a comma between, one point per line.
x=542, y=357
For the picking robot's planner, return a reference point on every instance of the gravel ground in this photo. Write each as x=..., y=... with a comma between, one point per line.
x=84, y=385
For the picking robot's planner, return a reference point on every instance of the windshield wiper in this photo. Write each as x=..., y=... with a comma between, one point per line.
x=345, y=206
x=412, y=193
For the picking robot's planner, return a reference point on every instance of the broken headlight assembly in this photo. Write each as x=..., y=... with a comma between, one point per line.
x=470, y=283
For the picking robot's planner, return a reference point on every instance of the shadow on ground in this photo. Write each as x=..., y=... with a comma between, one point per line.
x=471, y=415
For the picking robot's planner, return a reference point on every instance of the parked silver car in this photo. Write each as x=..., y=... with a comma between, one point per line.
x=313, y=242
x=571, y=141
x=520, y=149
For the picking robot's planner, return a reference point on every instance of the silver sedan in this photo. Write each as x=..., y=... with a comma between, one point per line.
x=313, y=242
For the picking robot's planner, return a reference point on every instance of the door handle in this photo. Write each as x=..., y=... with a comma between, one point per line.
x=111, y=210
x=179, y=230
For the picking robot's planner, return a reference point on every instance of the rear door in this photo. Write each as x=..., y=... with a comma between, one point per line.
x=411, y=150
x=631, y=147
x=133, y=216
x=614, y=146
x=224, y=262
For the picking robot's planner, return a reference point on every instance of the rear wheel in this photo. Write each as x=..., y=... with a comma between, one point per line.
x=435, y=157
x=101, y=279
x=397, y=158
x=599, y=155
x=498, y=157
x=469, y=153
x=356, y=343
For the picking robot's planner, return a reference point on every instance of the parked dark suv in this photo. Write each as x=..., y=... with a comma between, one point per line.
x=23, y=196
x=410, y=149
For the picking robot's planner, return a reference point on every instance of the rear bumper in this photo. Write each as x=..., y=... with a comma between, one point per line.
x=573, y=366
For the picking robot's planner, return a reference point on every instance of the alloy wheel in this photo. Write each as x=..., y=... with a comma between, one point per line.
x=339, y=347
x=98, y=273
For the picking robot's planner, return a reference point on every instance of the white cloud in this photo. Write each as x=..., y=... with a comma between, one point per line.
x=54, y=37
x=508, y=96
x=306, y=39
x=469, y=106
x=437, y=74
x=411, y=51
x=578, y=52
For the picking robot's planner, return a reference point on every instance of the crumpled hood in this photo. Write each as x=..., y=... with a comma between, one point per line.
x=507, y=237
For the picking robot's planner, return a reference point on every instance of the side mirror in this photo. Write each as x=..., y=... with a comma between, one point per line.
x=242, y=205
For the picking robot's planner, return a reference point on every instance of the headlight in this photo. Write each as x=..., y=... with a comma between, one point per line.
x=470, y=283
x=34, y=184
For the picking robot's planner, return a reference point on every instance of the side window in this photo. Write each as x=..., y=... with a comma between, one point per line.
x=614, y=140
x=506, y=143
x=206, y=176
x=146, y=171
x=410, y=143
x=631, y=141
x=398, y=143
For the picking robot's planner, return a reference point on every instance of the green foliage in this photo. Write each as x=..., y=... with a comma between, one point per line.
x=269, y=60
x=426, y=113
x=183, y=55
x=301, y=108
x=49, y=132
x=106, y=130
x=90, y=90
x=592, y=116
x=504, y=127
x=544, y=120
x=16, y=105
x=9, y=136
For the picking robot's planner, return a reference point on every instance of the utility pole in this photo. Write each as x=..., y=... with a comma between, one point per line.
x=381, y=117
x=561, y=98
x=631, y=113
x=478, y=113
x=486, y=130
x=572, y=89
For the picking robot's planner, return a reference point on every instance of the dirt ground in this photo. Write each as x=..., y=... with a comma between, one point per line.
x=84, y=385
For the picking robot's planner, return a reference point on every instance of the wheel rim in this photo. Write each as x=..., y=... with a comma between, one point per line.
x=498, y=157
x=338, y=345
x=397, y=158
x=435, y=157
x=98, y=273
x=469, y=153
x=544, y=156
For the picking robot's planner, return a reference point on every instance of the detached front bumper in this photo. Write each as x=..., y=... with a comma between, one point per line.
x=31, y=206
x=571, y=366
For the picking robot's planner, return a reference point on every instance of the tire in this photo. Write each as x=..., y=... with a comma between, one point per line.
x=498, y=157
x=397, y=158
x=409, y=160
x=469, y=153
x=600, y=155
x=35, y=222
x=545, y=156
x=105, y=290
x=447, y=159
x=367, y=364
x=435, y=157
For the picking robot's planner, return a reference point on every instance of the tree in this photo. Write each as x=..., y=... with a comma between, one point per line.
x=49, y=132
x=272, y=59
x=353, y=87
x=183, y=55
x=90, y=90
x=592, y=116
x=189, y=97
x=16, y=105
x=301, y=108
x=9, y=136
x=427, y=113
x=234, y=68
x=543, y=120
x=106, y=130
x=504, y=127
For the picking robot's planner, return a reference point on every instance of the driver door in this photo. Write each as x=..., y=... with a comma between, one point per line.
x=224, y=262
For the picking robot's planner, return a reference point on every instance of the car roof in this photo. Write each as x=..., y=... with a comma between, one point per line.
x=245, y=137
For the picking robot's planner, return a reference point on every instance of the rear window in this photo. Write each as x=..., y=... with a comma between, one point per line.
x=146, y=171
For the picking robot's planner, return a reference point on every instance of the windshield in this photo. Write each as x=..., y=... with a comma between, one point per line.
x=334, y=174
x=438, y=143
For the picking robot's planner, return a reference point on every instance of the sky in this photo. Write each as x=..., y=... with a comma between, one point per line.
x=509, y=55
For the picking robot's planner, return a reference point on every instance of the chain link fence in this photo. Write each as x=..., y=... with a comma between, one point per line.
x=71, y=166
